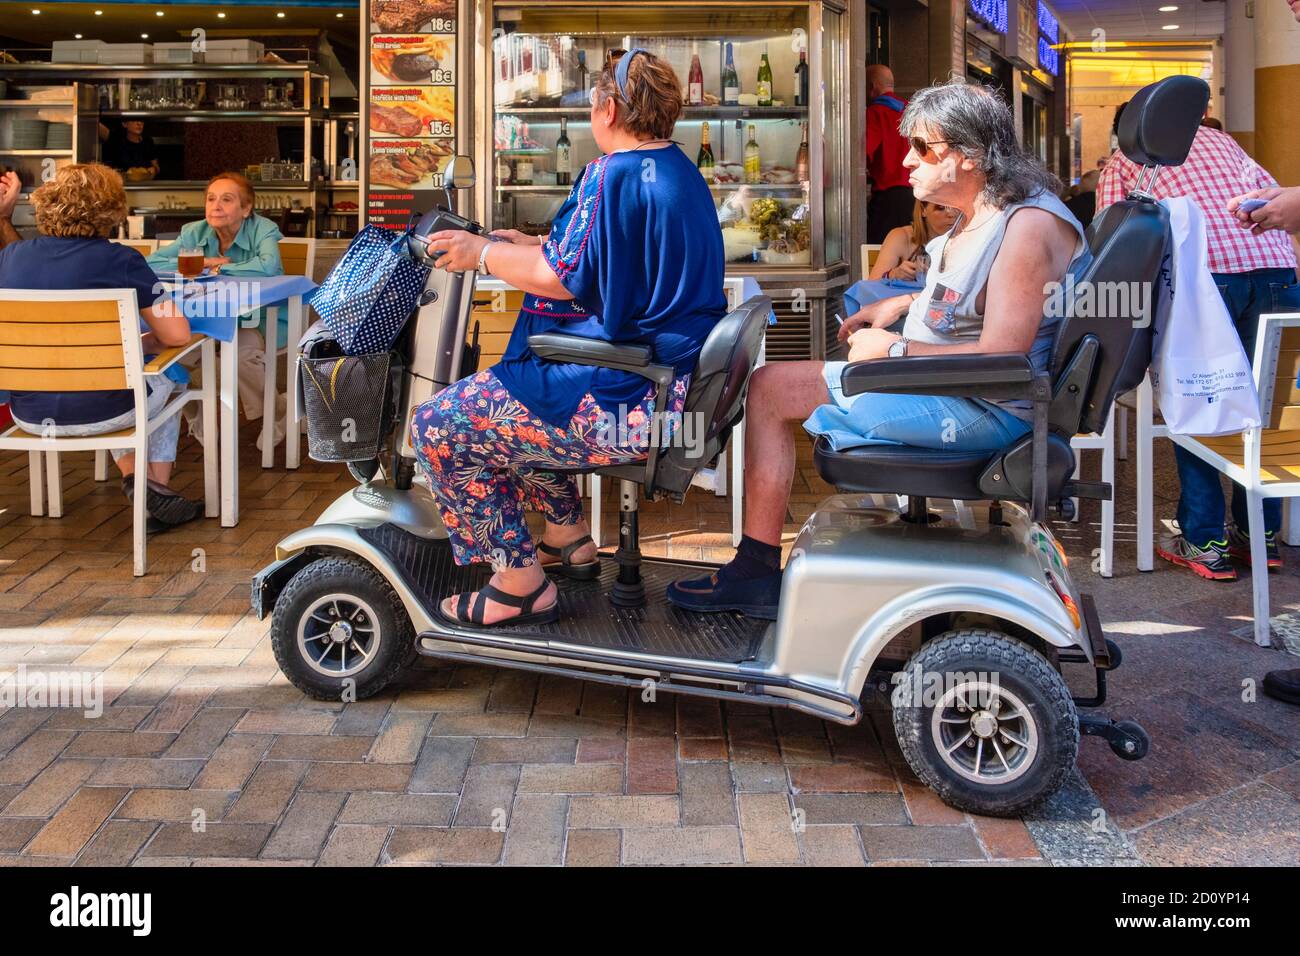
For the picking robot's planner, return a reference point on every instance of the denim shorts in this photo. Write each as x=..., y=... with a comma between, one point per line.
x=162, y=441
x=943, y=423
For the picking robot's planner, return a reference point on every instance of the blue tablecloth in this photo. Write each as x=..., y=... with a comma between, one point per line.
x=867, y=291
x=214, y=306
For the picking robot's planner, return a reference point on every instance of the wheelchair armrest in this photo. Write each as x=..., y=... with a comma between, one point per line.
x=578, y=350
x=637, y=359
x=996, y=376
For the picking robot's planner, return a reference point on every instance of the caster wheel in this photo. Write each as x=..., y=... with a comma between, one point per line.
x=339, y=631
x=1116, y=655
x=1136, y=743
x=994, y=731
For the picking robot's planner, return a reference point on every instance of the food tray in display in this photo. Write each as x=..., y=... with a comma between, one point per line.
x=770, y=258
x=404, y=58
x=412, y=16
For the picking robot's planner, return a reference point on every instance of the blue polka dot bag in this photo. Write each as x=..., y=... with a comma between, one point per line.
x=370, y=293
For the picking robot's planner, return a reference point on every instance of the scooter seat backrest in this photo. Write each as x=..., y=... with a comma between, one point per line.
x=1116, y=295
x=716, y=400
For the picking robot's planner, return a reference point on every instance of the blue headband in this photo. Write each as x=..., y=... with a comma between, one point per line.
x=620, y=74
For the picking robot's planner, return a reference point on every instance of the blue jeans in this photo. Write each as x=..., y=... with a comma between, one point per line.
x=1200, y=500
x=922, y=421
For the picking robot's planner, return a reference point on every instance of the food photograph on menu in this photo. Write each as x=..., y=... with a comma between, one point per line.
x=412, y=16
x=412, y=58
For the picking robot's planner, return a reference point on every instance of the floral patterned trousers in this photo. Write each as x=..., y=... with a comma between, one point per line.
x=489, y=459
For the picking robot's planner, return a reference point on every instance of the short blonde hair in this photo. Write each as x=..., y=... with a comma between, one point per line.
x=83, y=199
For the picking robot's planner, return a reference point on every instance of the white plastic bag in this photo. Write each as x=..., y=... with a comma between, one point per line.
x=1199, y=371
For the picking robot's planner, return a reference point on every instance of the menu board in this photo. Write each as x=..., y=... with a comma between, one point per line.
x=410, y=103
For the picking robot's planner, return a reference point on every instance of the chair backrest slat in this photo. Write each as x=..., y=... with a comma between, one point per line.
x=49, y=343
x=298, y=256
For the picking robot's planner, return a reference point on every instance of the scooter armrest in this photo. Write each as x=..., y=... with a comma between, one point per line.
x=990, y=376
x=579, y=350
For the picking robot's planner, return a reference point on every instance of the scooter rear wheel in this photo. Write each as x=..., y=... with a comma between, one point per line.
x=986, y=722
x=339, y=631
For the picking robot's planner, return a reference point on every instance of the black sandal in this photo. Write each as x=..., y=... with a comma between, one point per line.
x=465, y=615
x=588, y=571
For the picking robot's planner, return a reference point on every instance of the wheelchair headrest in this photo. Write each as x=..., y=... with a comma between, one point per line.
x=1160, y=122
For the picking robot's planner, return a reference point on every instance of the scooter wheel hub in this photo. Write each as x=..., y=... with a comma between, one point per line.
x=984, y=724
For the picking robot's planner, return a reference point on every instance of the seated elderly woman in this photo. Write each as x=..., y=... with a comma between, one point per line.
x=236, y=241
x=634, y=255
x=989, y=279
x=75, y=213
x=902, y=254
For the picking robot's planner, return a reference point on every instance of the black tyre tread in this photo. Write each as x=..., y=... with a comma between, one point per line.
x=283, y=640
x=1007, y=655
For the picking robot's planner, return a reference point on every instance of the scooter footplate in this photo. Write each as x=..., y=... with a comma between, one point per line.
x=587, y=617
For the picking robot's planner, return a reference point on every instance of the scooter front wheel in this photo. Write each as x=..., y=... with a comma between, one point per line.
x=339, y=631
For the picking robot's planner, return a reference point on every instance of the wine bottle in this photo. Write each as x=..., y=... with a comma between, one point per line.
x=730, y=82
x=801, y=158
x=764, y=81
x=704, y=161
x=801, y=80
x=564, y=155
x=753, y=162
x=695, y=83
x=584, y=82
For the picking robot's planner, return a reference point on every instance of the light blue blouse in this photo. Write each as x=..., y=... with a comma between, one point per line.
x=255, y=251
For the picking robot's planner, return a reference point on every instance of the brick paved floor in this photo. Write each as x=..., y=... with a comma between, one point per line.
x=476, y=765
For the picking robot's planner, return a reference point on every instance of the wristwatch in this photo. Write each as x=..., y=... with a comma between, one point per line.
x=898, y=349
x=482, y=260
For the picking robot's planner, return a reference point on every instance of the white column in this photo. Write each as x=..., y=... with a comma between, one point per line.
x=1239, y=73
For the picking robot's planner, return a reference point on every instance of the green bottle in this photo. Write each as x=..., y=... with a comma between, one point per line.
x=764, y=81
x=704, y=161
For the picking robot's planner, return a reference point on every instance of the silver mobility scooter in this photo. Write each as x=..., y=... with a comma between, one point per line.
x=970, y=626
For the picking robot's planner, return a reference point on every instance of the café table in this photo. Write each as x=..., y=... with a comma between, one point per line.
x=866, y=291
x=218, y=307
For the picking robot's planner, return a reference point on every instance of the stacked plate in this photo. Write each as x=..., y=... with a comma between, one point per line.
x=58, y=136
x=30, y=133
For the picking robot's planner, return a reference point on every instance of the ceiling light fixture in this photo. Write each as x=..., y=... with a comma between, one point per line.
x=1170, y=26
x=221, y=16
x=158, y=13
x=280, y=15
x=1168, y=9
x=144, y=36
x=99, y=13
x=36, y=13
x=76, y=36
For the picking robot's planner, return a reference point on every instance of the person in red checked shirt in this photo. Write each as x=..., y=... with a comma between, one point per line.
x=1252, y=272
x=890, y=205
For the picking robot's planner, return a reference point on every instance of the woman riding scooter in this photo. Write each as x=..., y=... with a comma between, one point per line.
x=634, y=255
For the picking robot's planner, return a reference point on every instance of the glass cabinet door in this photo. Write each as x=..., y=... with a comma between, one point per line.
x=545, y=60
x=834, y=70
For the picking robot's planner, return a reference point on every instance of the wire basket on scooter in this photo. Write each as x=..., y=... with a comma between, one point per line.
x=346, y=399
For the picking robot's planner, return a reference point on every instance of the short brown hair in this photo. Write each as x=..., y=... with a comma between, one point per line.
x=241, y=182
x=83, y=199
x=654, y=95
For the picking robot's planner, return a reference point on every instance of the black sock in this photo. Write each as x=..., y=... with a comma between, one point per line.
x=755, y=559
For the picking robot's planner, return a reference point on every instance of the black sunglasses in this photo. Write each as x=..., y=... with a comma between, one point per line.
x=921, y=146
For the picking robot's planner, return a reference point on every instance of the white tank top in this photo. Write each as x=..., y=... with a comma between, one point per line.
x=945, y=313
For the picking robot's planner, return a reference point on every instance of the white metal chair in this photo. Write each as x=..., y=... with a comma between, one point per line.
x=142, y=246
x=298, y=256
x=870, y=250
x=89, y=340
x=1105, y=443
x=1265, y=461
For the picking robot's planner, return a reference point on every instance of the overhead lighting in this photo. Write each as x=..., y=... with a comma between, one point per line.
x=36, y=13
x=280, y=15
x=1169, y=9
x=158, y=13
x=76, y=36
x=339, y=15
x=144, y=36
x=221, y=16
x=99, y=13
x=1170, y=26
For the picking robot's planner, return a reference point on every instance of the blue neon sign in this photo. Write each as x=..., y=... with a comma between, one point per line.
x=991, y=12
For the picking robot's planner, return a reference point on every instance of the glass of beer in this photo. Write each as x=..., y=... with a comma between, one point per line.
x=189, y=262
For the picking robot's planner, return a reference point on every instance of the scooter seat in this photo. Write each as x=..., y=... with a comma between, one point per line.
x=903, y=469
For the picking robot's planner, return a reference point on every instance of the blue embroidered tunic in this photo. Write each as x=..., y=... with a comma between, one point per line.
x=638, y=244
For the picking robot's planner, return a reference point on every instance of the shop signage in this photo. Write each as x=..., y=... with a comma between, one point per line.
x=992, y=13
x=408, y=93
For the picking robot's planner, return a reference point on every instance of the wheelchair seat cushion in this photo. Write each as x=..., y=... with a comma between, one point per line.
x=903, y=469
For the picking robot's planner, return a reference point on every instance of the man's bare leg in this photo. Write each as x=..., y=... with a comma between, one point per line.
x=780, y=394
